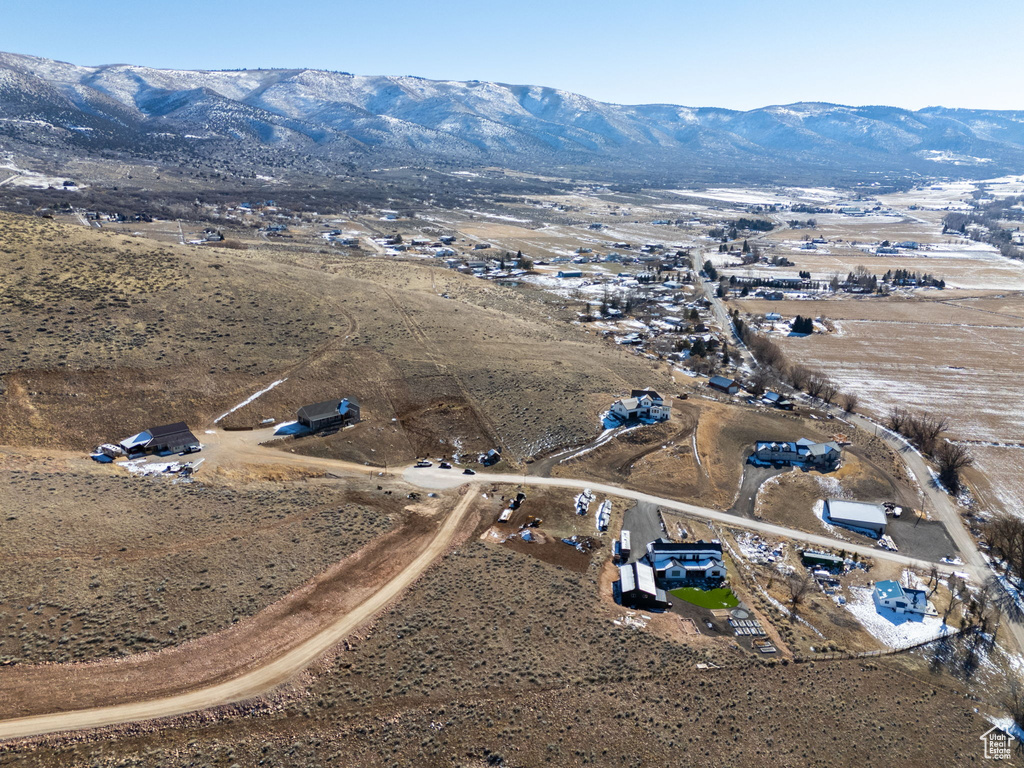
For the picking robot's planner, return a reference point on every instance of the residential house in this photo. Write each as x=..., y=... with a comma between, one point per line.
x=642, y=405
x=680, y=564
x=329, y=413
x=803, y=452
x=895, y=597
x=167, y=439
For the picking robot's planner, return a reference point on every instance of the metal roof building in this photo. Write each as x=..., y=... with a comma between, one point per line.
x=856, y=514
x=638, y=589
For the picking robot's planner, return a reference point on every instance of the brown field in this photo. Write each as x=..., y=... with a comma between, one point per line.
x=495, y=657
x=105, y=334
x=100, y=564
x=960, y=357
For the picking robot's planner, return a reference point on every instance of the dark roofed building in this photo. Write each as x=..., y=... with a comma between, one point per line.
x=722, y=384
x=329, y=413
x=170, y=438
x=636, y=588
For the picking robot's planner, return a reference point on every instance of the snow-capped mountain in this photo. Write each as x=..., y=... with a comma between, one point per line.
x=311, y=120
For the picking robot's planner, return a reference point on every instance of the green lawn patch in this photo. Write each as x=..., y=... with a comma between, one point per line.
x=707, y=598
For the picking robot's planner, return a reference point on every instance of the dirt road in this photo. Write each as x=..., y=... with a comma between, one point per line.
x=441, y=478
x=253, y=681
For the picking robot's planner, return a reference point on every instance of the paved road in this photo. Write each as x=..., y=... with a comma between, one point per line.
x=259, y=680
x=435, y=478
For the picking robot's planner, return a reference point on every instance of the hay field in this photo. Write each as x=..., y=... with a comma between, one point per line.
x=962, y=358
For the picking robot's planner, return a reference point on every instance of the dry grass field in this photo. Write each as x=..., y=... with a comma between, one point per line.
x=103, y=335
x=100, y=564
x=497, y=658
x=959, y=357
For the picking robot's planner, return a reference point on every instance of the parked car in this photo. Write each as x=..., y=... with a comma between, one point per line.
x=424, y=464
x=444, y=465
x=468, y=471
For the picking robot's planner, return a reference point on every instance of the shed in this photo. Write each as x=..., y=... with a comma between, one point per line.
x=637, y=588
x=722, y=384
x=856, y=514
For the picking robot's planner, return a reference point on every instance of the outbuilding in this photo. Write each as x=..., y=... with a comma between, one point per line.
x=856, y=514
x=636, y=588
x=722, y=384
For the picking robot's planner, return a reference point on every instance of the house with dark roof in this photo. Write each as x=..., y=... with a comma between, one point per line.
x=722, y=384
x=169, y=438
x=802, y=453
x=329, y=413
x=643, y=405
x=681, y=564
x=637, y=588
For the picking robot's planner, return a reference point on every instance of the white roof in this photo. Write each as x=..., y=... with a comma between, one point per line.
x=855, y=512
x=645, y=578
x=637, y=576
x=626, y=578
x=140, y=439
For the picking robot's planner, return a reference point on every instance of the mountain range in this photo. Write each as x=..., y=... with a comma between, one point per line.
x=320, y=122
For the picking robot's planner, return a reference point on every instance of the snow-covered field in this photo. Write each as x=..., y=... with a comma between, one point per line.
x=893, y=629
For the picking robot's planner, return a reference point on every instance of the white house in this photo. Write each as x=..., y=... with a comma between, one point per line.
x=643, y=404
x=891, y=595
x=678, y=564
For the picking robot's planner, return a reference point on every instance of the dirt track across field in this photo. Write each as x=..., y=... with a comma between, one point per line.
x=249, y=659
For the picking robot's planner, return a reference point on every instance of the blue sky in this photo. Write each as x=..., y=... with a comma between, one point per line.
x=729, y=53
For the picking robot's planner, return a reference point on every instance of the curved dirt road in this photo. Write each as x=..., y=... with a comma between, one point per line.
x=257, y=681
x=264, y=678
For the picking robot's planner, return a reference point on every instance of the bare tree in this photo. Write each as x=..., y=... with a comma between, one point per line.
x=897, y=419
x=762, y=379
x=798, y=376
x=815, y=384
x=924, y=430
x=951, y=458
x=849, y=401
x=798, y=585
x=1005, y=536
x=829, y=390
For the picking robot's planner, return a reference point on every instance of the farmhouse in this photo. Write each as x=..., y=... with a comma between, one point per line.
x=803, y=452
x=722, y=384
x=891, y=595
x=642, y=405
x=856, y=514
x=329, y=413
x=636, y=588
x=170, y=438
x=679, y=564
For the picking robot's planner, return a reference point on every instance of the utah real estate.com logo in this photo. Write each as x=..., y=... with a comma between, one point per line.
x=998, y=743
